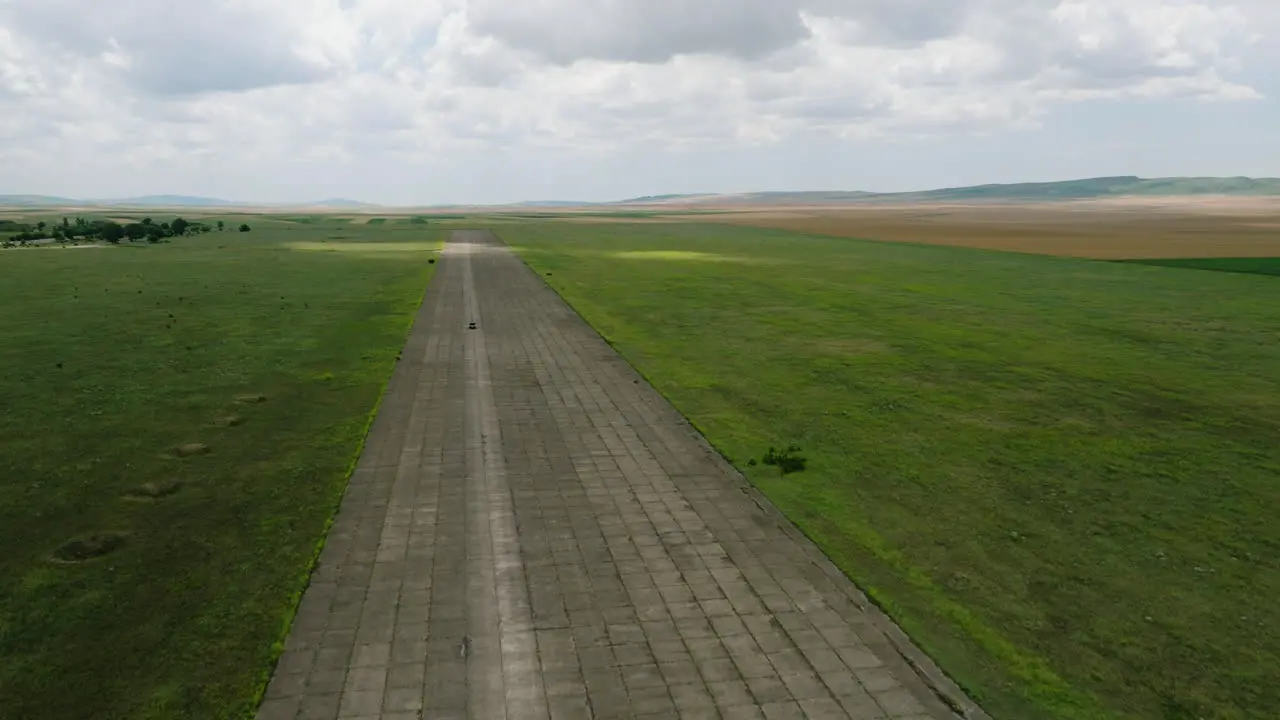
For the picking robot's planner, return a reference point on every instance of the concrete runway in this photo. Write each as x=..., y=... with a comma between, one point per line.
x=534, y=532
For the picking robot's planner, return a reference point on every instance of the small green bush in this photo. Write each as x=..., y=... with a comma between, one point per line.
x=787, y=461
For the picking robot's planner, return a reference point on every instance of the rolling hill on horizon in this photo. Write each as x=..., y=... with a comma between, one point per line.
x=1084, y=189
x=1113, y=187
x=174, y=201
x=1089, y=188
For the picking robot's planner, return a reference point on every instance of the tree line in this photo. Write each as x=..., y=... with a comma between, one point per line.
x=78, y=229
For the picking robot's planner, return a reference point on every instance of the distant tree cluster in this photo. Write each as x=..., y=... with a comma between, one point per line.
x=80, y=229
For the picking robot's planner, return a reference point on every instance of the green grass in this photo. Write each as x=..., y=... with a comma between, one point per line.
x=112, y=357
x=377, y=221
x=1255, y=266
x=1060, y=476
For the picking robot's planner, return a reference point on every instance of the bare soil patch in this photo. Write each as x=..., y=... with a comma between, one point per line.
x=88, y=547
x=190, y=450
x=154, y=490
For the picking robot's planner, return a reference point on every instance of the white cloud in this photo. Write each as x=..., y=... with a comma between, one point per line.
x=638, y=30
x=227, y=81
x=186, y=47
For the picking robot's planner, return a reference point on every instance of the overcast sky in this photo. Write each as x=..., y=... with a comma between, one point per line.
x=441, y=101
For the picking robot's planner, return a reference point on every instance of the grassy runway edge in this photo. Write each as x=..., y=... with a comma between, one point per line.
x=305, y=581
x=947, y=688
x=1045, y=383
x=199, y=600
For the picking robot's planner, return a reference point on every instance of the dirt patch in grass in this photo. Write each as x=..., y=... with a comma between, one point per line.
x=191, y=449
x=88, y=547
x=154, y=490
x=228, y=421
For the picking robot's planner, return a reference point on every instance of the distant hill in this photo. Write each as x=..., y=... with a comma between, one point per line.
x=144, y=201
x=33, y=200
x=833, y=197
x=791, y=198
x=165, y=201
x=551, y=203
x=1043, y=191
x=340, y=203
x=662, y=199
x=1104, y=187
x=1090, y=188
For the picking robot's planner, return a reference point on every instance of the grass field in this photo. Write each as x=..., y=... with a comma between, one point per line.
x=116, y=357
x=1059, y=475
x=1253, y=266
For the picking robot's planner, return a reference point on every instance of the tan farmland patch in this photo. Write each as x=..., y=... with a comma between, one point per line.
x=603, y=219
x=1232, y=227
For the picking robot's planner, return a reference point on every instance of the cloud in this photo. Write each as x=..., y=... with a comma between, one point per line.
x=649, y=31
x=852, y=68
x=157, y=81
x=18, y=76
x=895, y=22
x=182, y=48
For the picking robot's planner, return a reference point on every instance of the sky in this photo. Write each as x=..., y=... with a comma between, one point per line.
x=416, y=102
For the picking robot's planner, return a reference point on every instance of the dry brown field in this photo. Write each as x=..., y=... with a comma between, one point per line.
x=1116, y=228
